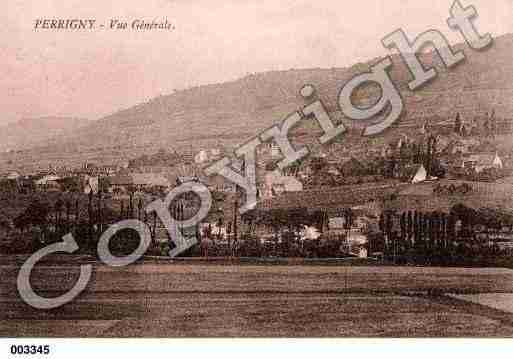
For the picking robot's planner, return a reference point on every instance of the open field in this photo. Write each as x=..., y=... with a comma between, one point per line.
x=182, y=299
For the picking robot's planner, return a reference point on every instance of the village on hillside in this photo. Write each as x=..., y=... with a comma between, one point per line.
x=436, y=195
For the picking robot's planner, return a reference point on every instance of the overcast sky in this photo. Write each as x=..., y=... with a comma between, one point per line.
x=92, y=74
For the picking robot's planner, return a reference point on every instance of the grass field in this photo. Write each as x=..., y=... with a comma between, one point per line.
x=176, y=300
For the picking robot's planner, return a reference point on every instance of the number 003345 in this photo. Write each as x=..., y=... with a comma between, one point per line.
x=30, y=349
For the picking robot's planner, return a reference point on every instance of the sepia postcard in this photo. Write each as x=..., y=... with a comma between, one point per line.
x=255, y=169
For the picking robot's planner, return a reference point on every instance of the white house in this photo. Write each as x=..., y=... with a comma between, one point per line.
x=420, y=175
x=480, y=162
x=309, y=233
x=48, y=182
x=201, y=157
x=220, y=184
x=276, y=183
x=13, y=175
x=92, y=184
x=217, y=232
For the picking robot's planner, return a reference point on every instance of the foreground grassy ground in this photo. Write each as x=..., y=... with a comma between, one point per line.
x=182, y=299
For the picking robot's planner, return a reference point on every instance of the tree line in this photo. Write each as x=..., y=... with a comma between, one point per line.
x=462, y=236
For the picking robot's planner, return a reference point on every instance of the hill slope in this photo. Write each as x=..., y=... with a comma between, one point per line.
x=229, y=113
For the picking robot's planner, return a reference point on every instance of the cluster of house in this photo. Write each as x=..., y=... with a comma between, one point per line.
x=457, y=156
x=277, y=189
x=455, y=153
x=123, y=179
x=61, y=178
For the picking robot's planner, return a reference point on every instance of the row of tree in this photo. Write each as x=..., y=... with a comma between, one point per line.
x=48, y=222
x=437, y=237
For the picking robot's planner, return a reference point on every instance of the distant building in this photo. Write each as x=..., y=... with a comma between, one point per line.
x=201, y=157
x=420, y=175
x=14, y=175
x=48, y=183
x=309, y=233
x=413, y=173
x=220, y=184
x=275, y=151
x=277, y=183
x=205, y=156
x=463, y=146
x=186, y=179
x=92, y=185
x=362, y=252
x=480, y=162
x=121, y=183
